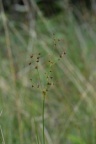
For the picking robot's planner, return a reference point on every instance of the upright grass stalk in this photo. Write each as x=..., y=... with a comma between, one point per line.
x=12, y=68
x=43, y=118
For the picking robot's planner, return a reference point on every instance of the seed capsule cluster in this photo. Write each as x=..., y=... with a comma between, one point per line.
x=35, y=58
x=48, y=77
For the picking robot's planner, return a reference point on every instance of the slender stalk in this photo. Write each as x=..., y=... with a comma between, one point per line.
x=12, y=67
x=43, y=118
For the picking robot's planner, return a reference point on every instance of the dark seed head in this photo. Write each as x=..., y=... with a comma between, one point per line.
x=36, y=67
x=51, y=77
x=29, y=63
x=44, y=93
x=48, y=83
x=60, y=56
x=31, y=56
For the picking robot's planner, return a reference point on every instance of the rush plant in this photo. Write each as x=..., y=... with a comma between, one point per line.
x=42, y=78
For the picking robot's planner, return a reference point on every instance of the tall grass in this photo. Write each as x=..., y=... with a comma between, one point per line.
x=68, y=111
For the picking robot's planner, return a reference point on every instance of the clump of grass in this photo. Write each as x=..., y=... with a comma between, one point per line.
x=45, y=83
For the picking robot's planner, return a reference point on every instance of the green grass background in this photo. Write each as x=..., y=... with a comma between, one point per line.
x=70, y=115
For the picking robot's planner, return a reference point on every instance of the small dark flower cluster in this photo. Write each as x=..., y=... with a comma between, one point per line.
x=48, y=74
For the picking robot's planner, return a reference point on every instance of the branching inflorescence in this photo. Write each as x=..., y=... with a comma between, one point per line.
x=45, y=83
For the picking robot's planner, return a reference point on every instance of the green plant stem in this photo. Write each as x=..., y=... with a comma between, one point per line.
x=43, y=118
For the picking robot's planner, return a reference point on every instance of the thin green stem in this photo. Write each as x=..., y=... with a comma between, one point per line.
x=43, y=121
x=43, y=118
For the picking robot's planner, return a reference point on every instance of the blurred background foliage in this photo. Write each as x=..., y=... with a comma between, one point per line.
x=48, y=27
